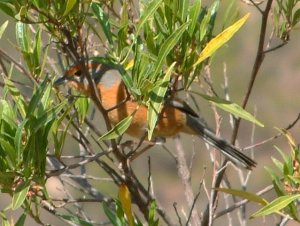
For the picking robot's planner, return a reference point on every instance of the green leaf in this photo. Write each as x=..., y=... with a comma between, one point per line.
x=2, y=28
x=82, y=106
x=114, y=219
x=10, y=152
x=220, y=40
x=8, y=8
x=69, y=6
x=104, y=21
x=232, y=108
x=156, y=99
x=296, y=18
x=194, y=14
x=47, y=117
x=19, y=198
x=37, y=51
x=151, y=216
x=36, y=98
x=276, y=205
x=183, y=9
x=149, y=11
x=243, y=194
x=21, y=220
x=22, y=36
x=119, y=129
x=17, y=97
x=75, y=220
x=167, y=46
x=18, y=140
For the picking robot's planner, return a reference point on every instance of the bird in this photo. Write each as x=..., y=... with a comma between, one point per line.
x=176, y=115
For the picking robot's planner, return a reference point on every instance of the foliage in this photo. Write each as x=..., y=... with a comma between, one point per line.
x=158, y=46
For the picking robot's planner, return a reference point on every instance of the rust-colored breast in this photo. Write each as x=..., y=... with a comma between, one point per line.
x=171, y=121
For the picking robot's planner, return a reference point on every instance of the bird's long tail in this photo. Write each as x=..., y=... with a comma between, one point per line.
x=230, y=151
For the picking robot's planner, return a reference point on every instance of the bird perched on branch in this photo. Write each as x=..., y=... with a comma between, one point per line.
x=176, y=116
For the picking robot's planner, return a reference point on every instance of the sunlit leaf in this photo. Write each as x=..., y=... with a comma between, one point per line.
x=111, y=216
x=220, y=40
x=243, y=194
x=2, y=28
x=69, y=6
x=156, y=99
x=194, y=14
x=118, y=130
x=167, y=46
x=22, y=36
x=232, y=108
x=276, y=205
x=19, y=198
x=104, y=21
x=149, y=11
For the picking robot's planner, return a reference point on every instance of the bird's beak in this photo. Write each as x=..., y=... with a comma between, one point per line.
x=60, y=81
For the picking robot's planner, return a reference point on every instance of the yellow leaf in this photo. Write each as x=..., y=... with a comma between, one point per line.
x=220, y=40
x=125, y=199
x=129, y=65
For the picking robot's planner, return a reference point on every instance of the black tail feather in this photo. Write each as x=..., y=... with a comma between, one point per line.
x=230, y=151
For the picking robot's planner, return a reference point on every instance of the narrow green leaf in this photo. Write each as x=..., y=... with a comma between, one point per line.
x=220, y=40
x=243, y=194
x=75, y=220
x=160, y=24
x=277, y=163
x=276, y=205
x=17, y=97
x=296, y=18
x=152, y=211
x=119, y=129
x=156, y=99
x=114, y=219
x=167, y=46
x=8, y=8
x=2, y=28
x=21, y=220
x=104, y=21
x=36, y=98
x=22, y=36
x=149, y=11
x=37, y=51
x=194, y=14
x=183, y=9
x=45, y=101
x=18, y=139
x=232, y=108
x=82, y=106
x=47, y=117
x=19, y=198
x=10, y=152
x=69, y=6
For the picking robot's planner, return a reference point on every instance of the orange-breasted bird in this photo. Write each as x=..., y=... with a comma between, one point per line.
x=176, y=116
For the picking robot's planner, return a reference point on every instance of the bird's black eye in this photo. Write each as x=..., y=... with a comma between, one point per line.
x=78, y=73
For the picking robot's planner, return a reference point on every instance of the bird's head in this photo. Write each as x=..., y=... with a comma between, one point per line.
x=76, y=75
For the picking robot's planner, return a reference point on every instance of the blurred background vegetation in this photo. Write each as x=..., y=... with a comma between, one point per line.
x=35, y=186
